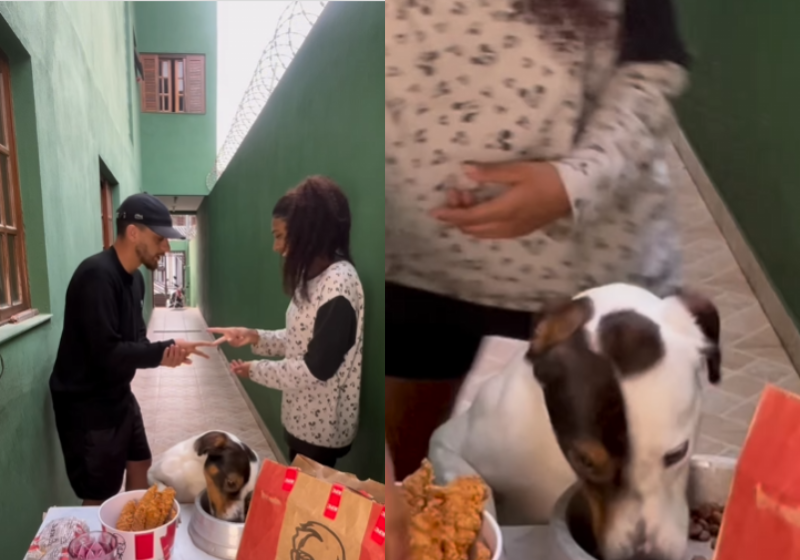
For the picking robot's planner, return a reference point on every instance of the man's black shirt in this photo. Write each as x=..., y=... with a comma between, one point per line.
x=103, y=343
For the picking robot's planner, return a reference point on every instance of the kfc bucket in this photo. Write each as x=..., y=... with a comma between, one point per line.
x=153, y=544
x=490, y=535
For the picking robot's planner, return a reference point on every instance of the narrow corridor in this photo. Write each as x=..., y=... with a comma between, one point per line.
x=752, y=354
x=181, y=402
x=178, y=403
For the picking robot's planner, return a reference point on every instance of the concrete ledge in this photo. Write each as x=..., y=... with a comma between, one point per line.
x=10, y=332
x=751, y=268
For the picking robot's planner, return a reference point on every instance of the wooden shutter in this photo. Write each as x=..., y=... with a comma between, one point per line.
x=107, y=210
x=150, y=86
x=196, y=84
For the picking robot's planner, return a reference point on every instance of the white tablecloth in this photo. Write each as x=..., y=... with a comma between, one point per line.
x=184, y=547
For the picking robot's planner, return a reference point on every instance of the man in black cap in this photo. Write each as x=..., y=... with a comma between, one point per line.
x=102, y=345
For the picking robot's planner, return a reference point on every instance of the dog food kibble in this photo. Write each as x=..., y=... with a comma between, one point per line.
x=705, y=524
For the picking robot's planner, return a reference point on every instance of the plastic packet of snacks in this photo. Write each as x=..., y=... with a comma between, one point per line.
x=57, y=554
x=52, y=541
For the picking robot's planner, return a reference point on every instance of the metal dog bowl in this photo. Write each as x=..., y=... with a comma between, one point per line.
x=710, y=480
x=214, y=536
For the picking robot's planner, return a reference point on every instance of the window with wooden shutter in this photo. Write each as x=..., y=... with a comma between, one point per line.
x=196, y=84
x=107, y=213
x=15, y=300
x=150, y=85
x=174, y=83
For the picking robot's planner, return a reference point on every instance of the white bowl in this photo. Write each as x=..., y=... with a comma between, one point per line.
x=151, y=540
x=491, y=536
x=710, y=481
x=214, y=536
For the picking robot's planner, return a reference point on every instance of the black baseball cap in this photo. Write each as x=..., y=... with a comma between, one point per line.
x=147, y=210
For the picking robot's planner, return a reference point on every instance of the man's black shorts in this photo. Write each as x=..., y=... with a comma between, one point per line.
x=96, y=458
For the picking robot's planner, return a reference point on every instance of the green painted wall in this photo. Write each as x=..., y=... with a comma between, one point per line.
x=741, y=115
x=193, y=273
x=73, y=87
x=324, y=118
x=184, y=246
x=178, y=151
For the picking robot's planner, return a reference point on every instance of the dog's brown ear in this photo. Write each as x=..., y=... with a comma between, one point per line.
x=705, y=313
x=210, y=442
x=560, y=320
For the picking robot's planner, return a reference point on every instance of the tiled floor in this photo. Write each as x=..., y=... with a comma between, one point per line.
x=752, y=353
x=181, y=402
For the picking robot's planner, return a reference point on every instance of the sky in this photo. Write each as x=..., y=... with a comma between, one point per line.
x=244, y=30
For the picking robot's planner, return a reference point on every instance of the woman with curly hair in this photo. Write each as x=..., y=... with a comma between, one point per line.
x=525, y=144
x=321, y=347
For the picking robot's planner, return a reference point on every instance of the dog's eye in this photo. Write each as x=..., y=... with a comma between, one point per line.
x=674, y=457
x=584, y=461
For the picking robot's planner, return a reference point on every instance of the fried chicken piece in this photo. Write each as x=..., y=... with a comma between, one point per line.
x=165, y=505
x=425, y=532
x=464, y=501
x=417, y=487
x=125, y=521
x=146, y=510
x=154, y=517
x=445, y=521
x=482, y=552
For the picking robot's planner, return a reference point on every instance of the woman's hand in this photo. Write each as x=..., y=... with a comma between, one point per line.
x=235, y=336
x=535, y=198
x=240, y=368
x=192, y=348
x=396, y=517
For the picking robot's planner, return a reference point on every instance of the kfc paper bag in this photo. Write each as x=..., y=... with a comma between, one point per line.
x=762, y=517
x=368, y=488
x=294, y=516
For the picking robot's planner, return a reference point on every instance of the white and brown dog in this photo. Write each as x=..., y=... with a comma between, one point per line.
x=217, y=462
x=607, y=393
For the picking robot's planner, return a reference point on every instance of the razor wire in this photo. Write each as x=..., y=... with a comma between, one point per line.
x=294, y=24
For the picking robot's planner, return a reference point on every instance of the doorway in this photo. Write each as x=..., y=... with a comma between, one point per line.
x=171, y=272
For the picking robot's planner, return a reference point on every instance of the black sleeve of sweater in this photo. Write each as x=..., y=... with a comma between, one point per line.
x=334, y=335
x=141, y=328
x=650, y=33
x=101, y=317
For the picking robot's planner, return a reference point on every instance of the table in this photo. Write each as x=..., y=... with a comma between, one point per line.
x=520, y=543
x=526, y=543
x=184, y=547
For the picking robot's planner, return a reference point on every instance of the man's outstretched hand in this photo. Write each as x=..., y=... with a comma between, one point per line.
x=174, y=356
x=178, y=354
